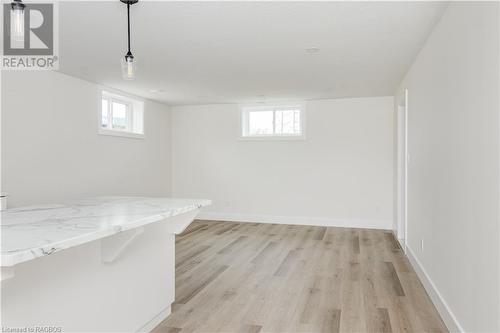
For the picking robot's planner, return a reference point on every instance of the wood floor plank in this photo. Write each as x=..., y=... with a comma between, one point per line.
x=353, y=318
x=332, y=321
x=226, y=229
x=420, y=305
x=264, y=253
x=393, y=279
x=250, y=277
x=250, y=328
x=202, y=284
x=287, y=263
x=193, y=229
x=320, y=233
x=312, y=302
x=231, y=245
x=355, y=244
x=166, y=329
x=191, y=255
x=392, y=243
x=401, y=319
x=383, y=321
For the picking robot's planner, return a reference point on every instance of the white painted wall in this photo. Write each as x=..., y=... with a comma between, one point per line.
x=340, y=175
x=51, y=150
x=454, y=167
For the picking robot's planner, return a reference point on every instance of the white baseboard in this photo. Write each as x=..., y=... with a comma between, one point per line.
x=301, y=220
x=442, y=307
x=150, y=325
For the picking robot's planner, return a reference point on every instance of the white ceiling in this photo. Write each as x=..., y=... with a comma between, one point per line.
x=234, y=52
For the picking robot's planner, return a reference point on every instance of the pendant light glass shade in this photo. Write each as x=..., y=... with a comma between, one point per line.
x=129, y=64
x=129, y=67
x=17, y=20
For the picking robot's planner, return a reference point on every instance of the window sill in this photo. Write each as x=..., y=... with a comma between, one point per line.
x=273, y=138
x=124, y=134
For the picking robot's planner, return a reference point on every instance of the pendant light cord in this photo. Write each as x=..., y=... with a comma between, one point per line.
x=128, y=21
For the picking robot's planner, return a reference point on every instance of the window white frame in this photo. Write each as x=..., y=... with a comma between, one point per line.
x=134, y=115
x=246, y=109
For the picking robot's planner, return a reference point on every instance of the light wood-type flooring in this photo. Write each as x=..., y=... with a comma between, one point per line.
x=249, y=277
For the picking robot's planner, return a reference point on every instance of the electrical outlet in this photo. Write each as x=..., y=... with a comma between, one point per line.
x=422, y=245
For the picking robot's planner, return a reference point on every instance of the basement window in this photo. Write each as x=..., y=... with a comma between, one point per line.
x=121, y=116
x=281, y=121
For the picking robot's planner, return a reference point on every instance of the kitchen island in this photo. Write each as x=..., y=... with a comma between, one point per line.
x=94, y=265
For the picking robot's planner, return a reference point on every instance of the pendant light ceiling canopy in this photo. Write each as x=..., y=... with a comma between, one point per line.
x=129, y=64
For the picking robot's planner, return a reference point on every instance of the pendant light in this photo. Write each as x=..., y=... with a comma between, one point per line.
x=17, y=20
x=129, y=64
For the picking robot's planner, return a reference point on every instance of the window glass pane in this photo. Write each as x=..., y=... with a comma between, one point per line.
x=278, y=122
x=260, y=123
x=104, y=113
x=138, y=121
x=120, y=120
x=287, y=122
x=296, y=123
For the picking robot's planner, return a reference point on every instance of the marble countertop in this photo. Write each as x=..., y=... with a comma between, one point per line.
x=31, y=232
